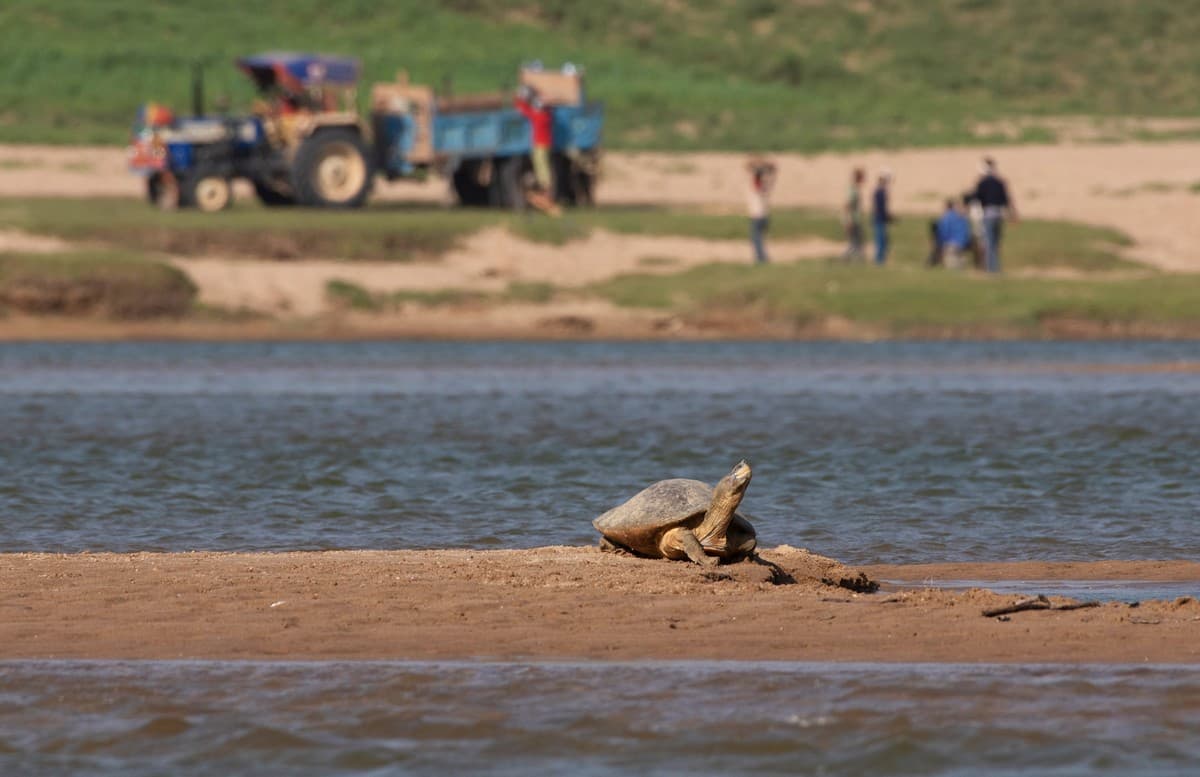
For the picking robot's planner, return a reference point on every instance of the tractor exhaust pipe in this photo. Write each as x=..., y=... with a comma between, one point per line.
x=197, y=89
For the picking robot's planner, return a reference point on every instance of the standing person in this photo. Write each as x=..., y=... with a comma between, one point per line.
x=758, y=193
x=881, y=217
x=541, y=123
x=992, y=194
x=852, y=217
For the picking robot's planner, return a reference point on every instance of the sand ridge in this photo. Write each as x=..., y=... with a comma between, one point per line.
x=546, y=603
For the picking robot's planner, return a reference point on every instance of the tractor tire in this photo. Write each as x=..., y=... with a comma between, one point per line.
x=271, y=197
x=332, y=169
x=509, y=182
x=467, y=187
x=206, y=192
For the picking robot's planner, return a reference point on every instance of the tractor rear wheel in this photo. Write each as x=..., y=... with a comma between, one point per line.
x=332, y=169
x=207, y=192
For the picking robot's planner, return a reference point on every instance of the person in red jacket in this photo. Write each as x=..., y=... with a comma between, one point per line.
x=528, y=103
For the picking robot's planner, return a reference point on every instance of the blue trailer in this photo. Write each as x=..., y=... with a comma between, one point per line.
x=483, y=144
x=305, y=143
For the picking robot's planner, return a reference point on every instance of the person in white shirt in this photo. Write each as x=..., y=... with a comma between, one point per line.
x=758, y=192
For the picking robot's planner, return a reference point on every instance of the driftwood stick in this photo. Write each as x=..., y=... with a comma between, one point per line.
x=1076, y=606
x=1037, y=603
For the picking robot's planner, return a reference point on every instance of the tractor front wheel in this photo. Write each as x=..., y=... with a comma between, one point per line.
x=332, y=169
x=207, y=193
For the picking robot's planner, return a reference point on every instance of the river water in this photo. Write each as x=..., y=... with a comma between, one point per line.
x=867, y=452
x=158, y=718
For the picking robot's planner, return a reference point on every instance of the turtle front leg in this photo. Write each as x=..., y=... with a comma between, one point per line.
x=681, y=542
x=608, y=546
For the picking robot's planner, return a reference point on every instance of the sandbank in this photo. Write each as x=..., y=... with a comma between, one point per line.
x=565, y=603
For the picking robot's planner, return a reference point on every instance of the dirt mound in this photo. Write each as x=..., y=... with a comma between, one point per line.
x=69, y=285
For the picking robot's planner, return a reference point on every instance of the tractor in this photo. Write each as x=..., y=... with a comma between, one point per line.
x=306, y=144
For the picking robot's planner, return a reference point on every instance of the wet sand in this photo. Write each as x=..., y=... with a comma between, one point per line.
x=564, y=603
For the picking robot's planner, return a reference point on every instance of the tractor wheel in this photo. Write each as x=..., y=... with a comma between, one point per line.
x=207, y=192
x=509, y=184
x=471, y=193
x=162, y=190
x=332, y=169
x=271, y=197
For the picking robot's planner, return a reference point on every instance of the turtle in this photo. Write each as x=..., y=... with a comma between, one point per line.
x=683, y=519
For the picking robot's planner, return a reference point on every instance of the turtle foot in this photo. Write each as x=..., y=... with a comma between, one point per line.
x=608, y=546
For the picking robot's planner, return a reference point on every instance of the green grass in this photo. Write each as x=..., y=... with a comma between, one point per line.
x=347, y=294
x=18, y=164
x=111, y=283
x=391, y=232
x=755, y=75
x=351, y=296
x=900, y=300
x=1030, y=245
x=382, y=233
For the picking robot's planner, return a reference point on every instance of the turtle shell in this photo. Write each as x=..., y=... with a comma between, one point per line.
x=641, y=522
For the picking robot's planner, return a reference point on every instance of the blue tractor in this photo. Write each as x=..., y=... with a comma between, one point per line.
x=306, y=144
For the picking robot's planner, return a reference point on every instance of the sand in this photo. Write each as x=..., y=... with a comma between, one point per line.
x=560, y=603
x=487, y=262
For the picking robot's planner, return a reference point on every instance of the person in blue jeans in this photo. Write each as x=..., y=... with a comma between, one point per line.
x=992, y=194
x=881, y=217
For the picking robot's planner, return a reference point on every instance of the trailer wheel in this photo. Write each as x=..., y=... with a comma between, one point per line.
x=508, y=184
x=332, y=169
x=471, y=193
x=208, y=193
x=575, y=179
x=271, y=197
x=584, y=188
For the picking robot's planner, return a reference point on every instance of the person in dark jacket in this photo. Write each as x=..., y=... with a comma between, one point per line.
x=992, y=194
x=881, y=217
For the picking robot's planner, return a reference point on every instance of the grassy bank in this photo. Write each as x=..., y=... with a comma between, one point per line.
x=395, y=232
x=906, y=302
x=84, y=283
x=760, y=74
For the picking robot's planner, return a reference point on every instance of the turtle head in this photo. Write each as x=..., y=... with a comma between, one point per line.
x=726, y=497
x=739, y=476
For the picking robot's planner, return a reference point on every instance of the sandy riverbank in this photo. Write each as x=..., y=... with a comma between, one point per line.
x=561, y=603
x=1147, y=190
